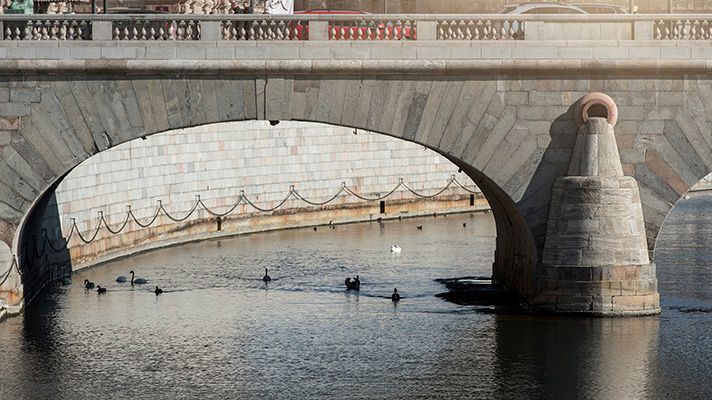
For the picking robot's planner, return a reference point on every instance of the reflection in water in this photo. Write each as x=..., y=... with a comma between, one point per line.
x=219, y=332
x=567, y=358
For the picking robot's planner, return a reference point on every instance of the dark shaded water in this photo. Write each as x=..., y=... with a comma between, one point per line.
x=218, y=332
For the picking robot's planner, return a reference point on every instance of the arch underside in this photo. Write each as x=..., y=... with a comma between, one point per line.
x=513, y=135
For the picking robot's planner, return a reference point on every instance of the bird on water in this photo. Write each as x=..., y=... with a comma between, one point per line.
x=158, y=291
x=395, y=297
x=88, y=285
x=266, y=278
x=122, y=279
x=136, y=281
x=100, y=289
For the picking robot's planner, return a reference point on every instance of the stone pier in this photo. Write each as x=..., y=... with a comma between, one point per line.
x=595, y=258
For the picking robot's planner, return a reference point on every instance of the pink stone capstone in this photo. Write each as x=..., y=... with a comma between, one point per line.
x=591, y=99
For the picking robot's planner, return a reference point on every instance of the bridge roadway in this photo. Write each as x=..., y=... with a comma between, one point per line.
x=495, y=94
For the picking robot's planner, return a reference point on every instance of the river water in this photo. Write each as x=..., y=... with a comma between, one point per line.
x=219, y=332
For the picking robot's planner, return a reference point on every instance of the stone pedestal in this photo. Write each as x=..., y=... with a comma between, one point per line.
x=595, y=259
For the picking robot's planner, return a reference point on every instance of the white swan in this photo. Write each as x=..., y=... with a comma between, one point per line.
x=395, y=249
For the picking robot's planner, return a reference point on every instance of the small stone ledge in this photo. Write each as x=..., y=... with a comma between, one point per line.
x=349, y=67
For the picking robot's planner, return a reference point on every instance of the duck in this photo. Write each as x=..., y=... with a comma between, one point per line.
x=158, y=291
x=266, y=278
x=464, y=224
x=88, y=285
x=100, y=289
x=136, y=281
x=395, y=297
x=395, y=249
x=419, y=227
x=122, y=279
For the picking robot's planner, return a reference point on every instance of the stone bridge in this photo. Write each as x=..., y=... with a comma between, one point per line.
x=494, y=94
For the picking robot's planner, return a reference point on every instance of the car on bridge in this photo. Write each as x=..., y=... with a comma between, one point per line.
x=560, y=8
x=542, y=8
x=597, y=8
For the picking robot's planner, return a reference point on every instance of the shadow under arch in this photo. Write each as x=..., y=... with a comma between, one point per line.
x=515, y=255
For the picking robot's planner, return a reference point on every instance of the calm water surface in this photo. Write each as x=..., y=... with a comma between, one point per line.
x=219, y=332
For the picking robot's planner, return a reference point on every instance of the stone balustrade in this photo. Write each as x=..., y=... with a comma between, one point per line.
x=259, y=27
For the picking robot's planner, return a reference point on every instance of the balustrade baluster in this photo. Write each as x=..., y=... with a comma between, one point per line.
x=44, y=34
x=191, y=31
x=441, y=31
x=469, y=28
x=72, y=31
x=225, y=31
x=452, y=27
x=282, y=31
x=180, y=30
x=32, y=32
x=459, y=34
x=252, y=31
x=263, y=30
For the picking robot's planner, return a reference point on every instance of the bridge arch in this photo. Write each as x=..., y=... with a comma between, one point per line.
x=73, y=119
x=513, y=134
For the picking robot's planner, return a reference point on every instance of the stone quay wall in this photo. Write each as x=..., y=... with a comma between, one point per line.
x=218, y=162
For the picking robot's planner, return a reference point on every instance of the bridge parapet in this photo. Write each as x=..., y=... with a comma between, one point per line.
x=421, y=27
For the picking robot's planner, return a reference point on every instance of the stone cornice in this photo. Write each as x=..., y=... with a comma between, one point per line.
x=360, y=67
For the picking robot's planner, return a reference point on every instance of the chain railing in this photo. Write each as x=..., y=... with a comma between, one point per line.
x=242, y=198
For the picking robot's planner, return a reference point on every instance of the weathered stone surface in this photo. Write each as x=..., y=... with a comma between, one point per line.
x=595, y=239
x=514, y=133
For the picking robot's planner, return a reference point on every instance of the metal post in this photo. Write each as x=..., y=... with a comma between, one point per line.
x=93, y=6
x=106, y=6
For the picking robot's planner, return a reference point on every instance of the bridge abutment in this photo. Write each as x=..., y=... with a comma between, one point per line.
x=595, y=259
